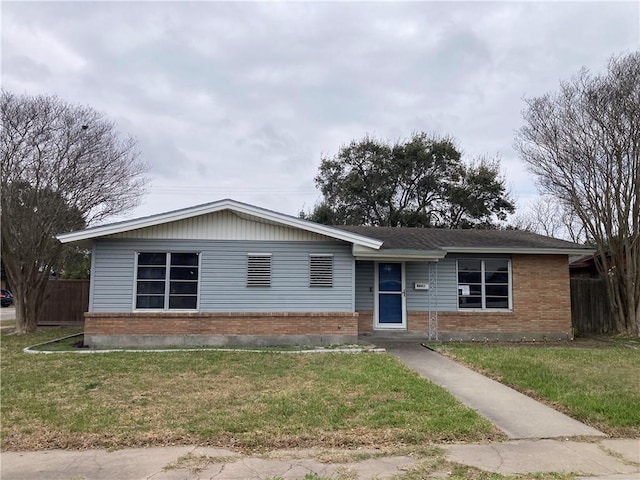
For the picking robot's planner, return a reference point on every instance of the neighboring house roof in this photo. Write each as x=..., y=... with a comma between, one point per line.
x=242, y=209
x=404, y=239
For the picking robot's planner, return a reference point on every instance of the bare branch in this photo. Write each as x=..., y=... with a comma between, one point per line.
x=62, y=166
x=583, y=144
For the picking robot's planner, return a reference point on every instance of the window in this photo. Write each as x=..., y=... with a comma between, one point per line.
x=320, y=270
x=167, y=281
x=258, y=270
x=484, y=284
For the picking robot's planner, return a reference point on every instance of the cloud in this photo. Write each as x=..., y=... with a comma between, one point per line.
x=242, y=99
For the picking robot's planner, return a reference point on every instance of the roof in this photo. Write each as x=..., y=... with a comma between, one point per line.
x=466, y=240
x=243, y=209
x=367, y=242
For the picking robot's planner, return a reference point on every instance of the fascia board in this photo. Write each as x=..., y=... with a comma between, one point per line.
x=519, y=250
x=294, y=222
x=138, y=223
x=396, y=254
x=279, y=218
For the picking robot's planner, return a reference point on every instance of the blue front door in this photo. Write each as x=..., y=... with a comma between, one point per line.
x=390, y=296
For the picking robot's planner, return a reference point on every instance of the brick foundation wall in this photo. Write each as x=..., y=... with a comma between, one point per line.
x=240, y=328
x=541, y=307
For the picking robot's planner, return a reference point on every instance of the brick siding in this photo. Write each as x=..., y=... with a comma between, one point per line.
x=541, y=307
x=171, y=323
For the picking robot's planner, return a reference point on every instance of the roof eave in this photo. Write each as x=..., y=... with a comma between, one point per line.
x=519, y=250
x=397, y=254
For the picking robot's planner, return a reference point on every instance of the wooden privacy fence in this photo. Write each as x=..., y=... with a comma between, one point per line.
x=66, y=303
x=590, y=313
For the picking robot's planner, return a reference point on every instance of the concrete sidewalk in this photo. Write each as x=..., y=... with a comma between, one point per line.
x=518, y=416
x=607, y=459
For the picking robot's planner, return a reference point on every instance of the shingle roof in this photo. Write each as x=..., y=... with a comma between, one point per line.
x=404, y=238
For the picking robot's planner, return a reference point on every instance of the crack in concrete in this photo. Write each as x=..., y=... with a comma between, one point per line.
x=618, y=456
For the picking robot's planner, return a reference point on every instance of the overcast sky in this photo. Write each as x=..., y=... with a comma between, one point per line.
x=241, y=100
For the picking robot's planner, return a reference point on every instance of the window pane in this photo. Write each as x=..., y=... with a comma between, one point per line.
x=496, y=265
x=183, y=302
x=470, y=302
x=497, y=302
x=156, y=273
x=184, y=273
x=497, y=290
x=390, y=277
x=390, y=308
x=152, y=258
x=190, y=259
x=151, y=287
x=496, y=277
x=469, y=277
x=149, y=301
x=190, y=288
x=469, y=265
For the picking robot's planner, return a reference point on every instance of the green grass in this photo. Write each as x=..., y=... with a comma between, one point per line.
x=595, y=382
x=246, y=401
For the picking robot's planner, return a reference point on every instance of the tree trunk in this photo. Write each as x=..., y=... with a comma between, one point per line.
x=29, y=297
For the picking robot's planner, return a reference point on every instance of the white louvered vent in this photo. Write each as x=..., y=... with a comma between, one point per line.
x=258, y=270
x=321, y=270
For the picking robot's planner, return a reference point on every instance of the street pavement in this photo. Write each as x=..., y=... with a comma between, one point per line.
x=604, y=459
x=7, y=314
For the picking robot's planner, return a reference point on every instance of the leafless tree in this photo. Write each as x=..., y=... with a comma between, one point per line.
x=547, y=216
x=583, y=144
x=63, y=166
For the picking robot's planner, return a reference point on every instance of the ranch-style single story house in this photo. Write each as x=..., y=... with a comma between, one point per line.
x=229, y=273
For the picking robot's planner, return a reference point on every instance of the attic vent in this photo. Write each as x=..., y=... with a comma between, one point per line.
x=258, y=270
x=320, y=270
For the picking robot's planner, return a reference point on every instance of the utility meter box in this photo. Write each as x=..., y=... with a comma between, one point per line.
x=421, y=286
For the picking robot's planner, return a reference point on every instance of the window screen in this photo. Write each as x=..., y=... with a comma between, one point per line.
x=320, y=270
x=259, y=270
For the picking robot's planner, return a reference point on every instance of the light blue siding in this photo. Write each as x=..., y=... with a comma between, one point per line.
x=445, y=286
x=364, y=285
x=223, y=275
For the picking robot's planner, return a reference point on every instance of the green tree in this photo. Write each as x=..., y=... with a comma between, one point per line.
x=421, y=182
x=583, y=145
x=62, y=167
x=75, y=263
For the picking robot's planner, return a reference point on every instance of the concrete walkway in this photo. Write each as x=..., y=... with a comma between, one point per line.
x=605, y=459
x=518, y=416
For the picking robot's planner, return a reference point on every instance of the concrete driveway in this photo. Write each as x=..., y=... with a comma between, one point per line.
x=7, y=317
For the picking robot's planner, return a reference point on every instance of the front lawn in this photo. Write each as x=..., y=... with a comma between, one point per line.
x=247, y=401
x=596, y=382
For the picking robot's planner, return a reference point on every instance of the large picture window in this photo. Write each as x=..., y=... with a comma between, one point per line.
x=484, y=284
x=167, y=281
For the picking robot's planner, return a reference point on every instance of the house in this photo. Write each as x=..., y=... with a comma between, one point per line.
x=232, y=273
x=585, y=267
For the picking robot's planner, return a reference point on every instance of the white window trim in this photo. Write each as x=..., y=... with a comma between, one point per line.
x=167, y=283
x=484, y=295
x=322, y=255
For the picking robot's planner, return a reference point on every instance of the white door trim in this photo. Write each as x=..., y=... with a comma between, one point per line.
x=376, y=297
